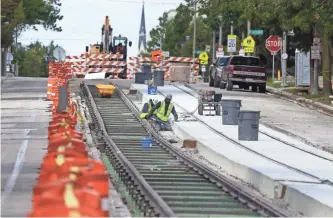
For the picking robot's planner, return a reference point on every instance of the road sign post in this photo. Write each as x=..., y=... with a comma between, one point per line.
x=257, y=32
x=273, y=44
x=219, y=52
x=315, y=55
x=232, y=39
x=249, y=44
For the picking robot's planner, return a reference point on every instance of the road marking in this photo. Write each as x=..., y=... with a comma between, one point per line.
x=18, y=164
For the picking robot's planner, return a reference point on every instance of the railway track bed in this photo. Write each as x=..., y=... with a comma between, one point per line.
x=163, y=181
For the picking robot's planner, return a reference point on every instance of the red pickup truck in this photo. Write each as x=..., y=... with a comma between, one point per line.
x=244, y=71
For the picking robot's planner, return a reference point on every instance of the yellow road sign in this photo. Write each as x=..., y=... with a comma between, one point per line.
x=249, y=42
x=248, y=50
x=203, y=57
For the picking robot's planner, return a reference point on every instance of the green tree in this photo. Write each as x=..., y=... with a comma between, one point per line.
x=274, y=17
x=20, y=15
x=33, y=59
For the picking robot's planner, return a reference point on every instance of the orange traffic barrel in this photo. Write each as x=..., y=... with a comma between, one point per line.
x=70, y=194
x=60, y=210
x=66, y=145
x=79, y=167
x=82, y=178
x=66, y=134
x=58, y=127
x=50, y=169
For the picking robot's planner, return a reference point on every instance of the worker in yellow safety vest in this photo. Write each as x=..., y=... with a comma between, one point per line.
x=163, y=109
x=147, y=107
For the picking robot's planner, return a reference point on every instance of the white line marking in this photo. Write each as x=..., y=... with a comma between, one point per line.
x=18, y=164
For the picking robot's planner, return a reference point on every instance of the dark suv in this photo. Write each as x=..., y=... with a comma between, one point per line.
x=244, y=71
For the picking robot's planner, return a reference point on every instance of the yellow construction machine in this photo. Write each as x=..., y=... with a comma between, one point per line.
x=111, y=45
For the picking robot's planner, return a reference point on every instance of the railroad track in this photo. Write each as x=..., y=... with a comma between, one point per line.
x=323, y=181
x=163, y=181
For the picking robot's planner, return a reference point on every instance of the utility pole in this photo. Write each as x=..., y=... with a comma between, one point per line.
x=316, y=43
x=194, y=29
x=248, y=31
x=232, y=33
x=220, y=33
x=284, y=61
x=213, y=46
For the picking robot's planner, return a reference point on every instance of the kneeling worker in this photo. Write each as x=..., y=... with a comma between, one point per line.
x=163, y=109
x=147, y=107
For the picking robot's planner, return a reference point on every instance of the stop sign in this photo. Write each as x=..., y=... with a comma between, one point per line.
x=273, y=44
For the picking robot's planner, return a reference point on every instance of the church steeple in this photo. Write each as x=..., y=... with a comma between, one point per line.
x=142, y=32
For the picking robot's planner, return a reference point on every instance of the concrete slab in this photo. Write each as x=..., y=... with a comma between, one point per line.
x=319, y=196
x=286, y=116
x=266, y=176
x=21, y=149
x=310, y=164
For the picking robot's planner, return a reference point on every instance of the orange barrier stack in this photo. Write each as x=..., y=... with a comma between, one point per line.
x=70, y=183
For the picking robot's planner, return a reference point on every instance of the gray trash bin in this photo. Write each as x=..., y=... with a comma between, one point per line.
x=248, y=125
x=145, y=68
x=159, y=78
x=230, y=108
x=140, y=77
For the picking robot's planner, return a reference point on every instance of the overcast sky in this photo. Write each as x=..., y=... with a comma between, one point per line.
x=83, y=20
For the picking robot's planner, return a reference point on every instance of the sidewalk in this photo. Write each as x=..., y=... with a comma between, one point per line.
x=307, y=124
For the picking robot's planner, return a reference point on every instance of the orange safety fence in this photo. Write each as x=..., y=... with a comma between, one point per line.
x=70, y=183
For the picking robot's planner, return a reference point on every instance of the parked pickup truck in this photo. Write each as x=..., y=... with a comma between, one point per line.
x=244, y=71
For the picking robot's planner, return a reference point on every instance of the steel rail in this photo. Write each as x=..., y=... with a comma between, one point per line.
x=322, y=181
x=160, y=207
x=226, y=185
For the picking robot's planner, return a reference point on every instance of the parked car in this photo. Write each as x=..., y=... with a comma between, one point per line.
x=244, y=71
x=216, y=69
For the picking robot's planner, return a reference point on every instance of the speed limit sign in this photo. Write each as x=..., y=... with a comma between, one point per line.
x=232, y=39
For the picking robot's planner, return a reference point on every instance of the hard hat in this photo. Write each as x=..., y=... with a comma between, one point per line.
x=155, y=101
x=168, y=96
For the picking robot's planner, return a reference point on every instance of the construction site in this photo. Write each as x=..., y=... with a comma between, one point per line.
x=112, y=135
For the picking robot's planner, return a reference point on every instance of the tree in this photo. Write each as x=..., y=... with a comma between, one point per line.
x=274, y=17
x=20, y=15
x=33, y=59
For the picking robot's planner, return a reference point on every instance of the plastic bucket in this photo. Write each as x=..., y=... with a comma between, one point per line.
x=147, y=142
x=152, y=90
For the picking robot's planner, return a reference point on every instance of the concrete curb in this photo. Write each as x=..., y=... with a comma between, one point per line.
x=300, y=100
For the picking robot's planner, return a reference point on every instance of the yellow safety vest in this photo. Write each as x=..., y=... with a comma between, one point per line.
x=142, y=115
x=161, y=111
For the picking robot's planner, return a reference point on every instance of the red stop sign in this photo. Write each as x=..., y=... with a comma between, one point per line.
x=273, y=44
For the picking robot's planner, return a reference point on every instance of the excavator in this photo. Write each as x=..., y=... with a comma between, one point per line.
x=111, y=45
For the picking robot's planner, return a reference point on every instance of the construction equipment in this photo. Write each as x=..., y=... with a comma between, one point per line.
x=209, y=101
x=111, y=45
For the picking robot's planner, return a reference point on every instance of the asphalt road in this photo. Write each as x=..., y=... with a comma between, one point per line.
x=23, y=136
x=308, y=124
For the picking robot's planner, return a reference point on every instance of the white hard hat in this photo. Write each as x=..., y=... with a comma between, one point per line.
x=168, y=96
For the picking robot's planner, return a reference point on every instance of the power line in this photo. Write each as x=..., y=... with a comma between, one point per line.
x=147, y=2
